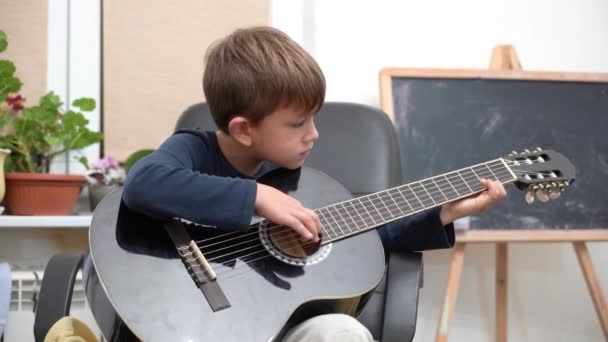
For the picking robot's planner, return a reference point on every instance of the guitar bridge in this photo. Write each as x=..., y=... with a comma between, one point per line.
x=199, y=269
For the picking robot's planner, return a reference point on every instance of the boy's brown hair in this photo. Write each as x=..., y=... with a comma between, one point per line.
x=254, y=71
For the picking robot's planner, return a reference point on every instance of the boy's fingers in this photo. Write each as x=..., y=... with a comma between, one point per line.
x=495, y=188
x=316, y=220
x=309, y=224
x=295, y=224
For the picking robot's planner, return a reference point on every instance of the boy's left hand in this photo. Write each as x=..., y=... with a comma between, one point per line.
x=494, y=193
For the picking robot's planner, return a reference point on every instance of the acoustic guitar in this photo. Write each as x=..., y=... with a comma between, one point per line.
x=182, y=281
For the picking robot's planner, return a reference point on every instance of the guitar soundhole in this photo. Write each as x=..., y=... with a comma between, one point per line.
x=289, y=243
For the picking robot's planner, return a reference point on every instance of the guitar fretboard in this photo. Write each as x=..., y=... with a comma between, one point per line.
x=367, y=212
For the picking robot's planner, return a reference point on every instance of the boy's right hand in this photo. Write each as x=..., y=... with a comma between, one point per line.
x=280, y=208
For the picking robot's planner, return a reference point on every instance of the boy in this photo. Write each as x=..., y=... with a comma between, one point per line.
x=263, y=91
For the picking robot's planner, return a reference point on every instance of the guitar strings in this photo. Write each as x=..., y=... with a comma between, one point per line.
x=405, y=199
x=256, y=225
x=292, y=235
x=248, y=261
x=255, y=231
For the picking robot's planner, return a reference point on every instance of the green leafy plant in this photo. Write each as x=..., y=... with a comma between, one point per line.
x=136, y=156
x=37, y=134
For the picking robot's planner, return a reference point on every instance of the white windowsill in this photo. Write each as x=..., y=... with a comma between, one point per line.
x=72, y=221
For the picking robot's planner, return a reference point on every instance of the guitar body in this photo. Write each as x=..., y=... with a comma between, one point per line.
x=139, y=288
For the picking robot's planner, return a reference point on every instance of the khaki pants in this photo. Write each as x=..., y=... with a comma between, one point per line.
x=329, y=328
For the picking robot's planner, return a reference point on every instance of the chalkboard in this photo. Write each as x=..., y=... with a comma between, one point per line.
x=445, y=123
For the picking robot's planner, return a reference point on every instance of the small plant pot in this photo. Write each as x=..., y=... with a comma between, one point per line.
x=98, y=192
x=42, y=193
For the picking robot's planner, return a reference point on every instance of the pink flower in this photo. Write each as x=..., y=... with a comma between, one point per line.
x=112, y=163
x=107, y=171
x=98, y=165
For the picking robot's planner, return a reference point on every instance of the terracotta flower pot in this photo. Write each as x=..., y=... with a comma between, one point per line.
x=42, y=193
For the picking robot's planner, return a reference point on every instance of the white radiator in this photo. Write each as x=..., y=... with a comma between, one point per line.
x=26, y=286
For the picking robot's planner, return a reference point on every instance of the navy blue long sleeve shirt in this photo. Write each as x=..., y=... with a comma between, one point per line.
x=189, y=177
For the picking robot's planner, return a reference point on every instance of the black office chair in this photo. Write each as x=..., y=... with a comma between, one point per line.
x=373, y=165
x=390, y=312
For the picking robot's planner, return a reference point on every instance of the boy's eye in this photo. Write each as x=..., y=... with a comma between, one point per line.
x=299, y=124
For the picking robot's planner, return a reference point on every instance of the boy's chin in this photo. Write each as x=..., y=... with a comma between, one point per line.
x=292, y=165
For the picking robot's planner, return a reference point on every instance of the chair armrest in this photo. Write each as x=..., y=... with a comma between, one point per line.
x=403, y=281
x=55, y=296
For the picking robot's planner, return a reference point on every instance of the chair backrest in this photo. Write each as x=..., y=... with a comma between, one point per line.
x=357, y=144
x=196, y=116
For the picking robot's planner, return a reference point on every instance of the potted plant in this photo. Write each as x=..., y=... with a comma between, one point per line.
x=35, y=135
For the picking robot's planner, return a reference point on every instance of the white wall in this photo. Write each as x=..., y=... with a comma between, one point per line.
x=353, y=40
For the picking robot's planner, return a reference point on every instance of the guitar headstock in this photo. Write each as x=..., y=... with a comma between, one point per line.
x=543, y=174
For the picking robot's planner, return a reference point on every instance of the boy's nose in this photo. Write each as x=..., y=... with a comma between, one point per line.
x=313, y=134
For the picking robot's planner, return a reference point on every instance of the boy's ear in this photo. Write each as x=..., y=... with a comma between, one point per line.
x=240, y=129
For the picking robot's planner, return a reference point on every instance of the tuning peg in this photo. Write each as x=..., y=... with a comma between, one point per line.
x=542, y=196
x=526, y=151
x=554, y=194
x=538, y=149
x=530, y=196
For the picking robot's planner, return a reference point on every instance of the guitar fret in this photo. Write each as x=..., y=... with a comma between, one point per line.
x=375, y=207
x=457, y=182
x=350, y=218
x=345, y=224
x=339, y=220
x=375, y=214
x=427, y=192
x=404, y=200
x=421, y=196
x=464, y=181
x=416, y=197
x=396, y=204
x=352, y=204
x=393, y=208
x=369, y=215
x=336, y=221
x=332, y=230
x=501, y=171
x=452, y=189
x=491, y=172
x=476, y=186
x=385, y=208
x=475, y=173
x=440, y=189
x=435, y=190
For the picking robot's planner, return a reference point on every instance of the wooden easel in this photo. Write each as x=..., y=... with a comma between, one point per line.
x=504, y=57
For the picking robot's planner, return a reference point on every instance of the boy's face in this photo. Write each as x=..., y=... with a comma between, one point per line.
x=285, y=137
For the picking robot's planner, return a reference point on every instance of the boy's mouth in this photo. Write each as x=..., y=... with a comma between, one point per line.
x=306, y=152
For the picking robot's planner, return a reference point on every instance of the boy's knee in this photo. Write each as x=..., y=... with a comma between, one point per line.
x=332, y=327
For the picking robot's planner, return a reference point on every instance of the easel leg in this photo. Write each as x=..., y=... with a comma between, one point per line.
x=501, y=292
x=451, y=291
x=593, y=284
